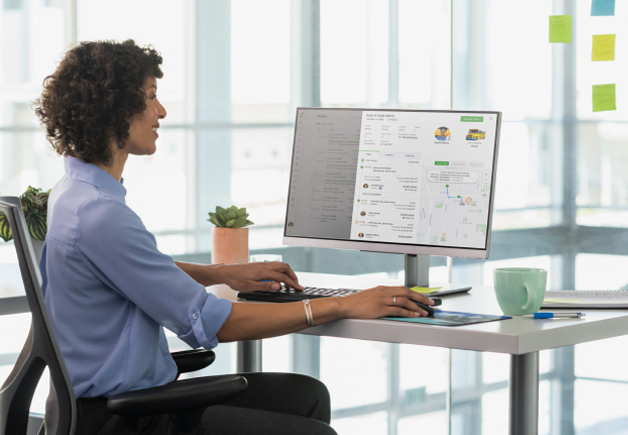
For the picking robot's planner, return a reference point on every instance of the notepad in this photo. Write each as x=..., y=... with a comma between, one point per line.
x=442, y=290
x=450, y=318
x=426, y=290
x=586, y=299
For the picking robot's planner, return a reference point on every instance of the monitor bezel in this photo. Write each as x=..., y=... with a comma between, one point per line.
x=391, y=247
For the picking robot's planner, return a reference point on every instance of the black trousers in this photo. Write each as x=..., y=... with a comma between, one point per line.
x=274, y=403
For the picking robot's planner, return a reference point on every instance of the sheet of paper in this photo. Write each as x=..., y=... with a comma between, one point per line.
x=560, y=28
x=560, y=301
x=426, y=290
x=604, y=98
x=603, y=48
x=602, y=8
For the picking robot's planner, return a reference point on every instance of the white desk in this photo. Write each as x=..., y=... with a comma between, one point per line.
x=521, y=338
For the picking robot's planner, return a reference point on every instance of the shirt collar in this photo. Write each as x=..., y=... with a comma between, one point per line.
x=91, y=174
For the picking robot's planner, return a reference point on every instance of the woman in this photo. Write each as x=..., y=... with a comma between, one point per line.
x=109, y=290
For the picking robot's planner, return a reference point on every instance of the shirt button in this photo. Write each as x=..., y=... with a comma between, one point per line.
x=195, y=316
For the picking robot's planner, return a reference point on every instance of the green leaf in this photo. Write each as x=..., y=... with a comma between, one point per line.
x=220, y=210
x=230, y=223
x=37, y=226
x=240, y=222
x=222, y=219
x=248, y=223
x=5, y=229
x=232, y=214
x=242, y=212
x=214, y=221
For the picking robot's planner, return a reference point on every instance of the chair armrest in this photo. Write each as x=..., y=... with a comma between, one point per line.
x=193, y=360
x=178, y=396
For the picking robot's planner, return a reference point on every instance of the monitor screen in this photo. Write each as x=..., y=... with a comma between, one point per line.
x=405, y=181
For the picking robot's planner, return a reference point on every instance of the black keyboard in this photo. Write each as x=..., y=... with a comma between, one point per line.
x=292, y=295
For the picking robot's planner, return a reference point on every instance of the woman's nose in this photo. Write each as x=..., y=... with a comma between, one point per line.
x=161, y=110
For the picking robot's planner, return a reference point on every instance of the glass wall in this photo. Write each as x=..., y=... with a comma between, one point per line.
x=234, y=73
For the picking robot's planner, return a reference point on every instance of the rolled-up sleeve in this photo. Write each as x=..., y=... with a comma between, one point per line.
x=206, y=322
x=116, y=246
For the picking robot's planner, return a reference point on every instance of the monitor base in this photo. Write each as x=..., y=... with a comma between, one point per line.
x=417, y=273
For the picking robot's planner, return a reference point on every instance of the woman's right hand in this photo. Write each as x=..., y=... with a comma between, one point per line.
x=251, y=321
x=384, y=301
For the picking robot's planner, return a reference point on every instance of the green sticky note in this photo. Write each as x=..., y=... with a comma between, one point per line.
x=560, y=28
x=425, y=290
x=604, y=98
x=603, y=48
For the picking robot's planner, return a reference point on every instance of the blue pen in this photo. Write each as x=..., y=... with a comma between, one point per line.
x=554, y=315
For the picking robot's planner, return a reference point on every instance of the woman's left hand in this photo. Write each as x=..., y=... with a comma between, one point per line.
x=249, y=277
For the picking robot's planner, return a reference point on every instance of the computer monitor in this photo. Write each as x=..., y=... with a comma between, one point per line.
x=415, y=182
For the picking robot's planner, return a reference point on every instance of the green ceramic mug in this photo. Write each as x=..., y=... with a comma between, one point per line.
x=520, y=290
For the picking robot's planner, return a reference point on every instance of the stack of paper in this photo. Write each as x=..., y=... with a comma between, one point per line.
x=586, y=299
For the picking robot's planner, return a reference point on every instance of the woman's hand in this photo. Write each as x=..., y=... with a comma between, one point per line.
x=249, y=321
x=384, y=301
x=257, y=276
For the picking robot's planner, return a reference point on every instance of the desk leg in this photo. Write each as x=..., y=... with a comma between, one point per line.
x=524, y=394
x=249, y=356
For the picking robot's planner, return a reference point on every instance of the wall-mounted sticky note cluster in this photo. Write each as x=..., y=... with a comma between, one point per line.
x=603, y=50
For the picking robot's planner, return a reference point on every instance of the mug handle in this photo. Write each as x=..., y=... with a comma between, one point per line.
x=530, y=300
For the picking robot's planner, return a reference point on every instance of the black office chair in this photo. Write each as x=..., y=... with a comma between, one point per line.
x=183, y=400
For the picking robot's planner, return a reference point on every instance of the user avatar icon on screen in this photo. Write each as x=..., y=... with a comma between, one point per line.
x=366, y=186
x=361, y=235
x=442, y=133
x=362, y=213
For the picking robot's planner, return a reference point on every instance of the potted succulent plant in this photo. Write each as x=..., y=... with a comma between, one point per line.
x=35, y=207
x=230, y=237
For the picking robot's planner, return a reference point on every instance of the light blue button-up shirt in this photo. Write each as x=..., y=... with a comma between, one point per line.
x=110, y=291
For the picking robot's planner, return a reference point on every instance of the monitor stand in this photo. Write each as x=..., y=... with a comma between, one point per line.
x=417, y=271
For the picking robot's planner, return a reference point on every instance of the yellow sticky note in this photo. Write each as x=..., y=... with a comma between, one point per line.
x=604, y=98
x=560, y=301
x=560, y=28
x=425, y=290
x=603, y=48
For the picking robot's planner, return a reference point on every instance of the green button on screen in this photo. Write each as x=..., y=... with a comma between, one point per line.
x=441, y=163
x=471, y=119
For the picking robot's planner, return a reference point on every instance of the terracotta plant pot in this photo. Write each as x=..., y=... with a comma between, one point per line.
x=230, y=245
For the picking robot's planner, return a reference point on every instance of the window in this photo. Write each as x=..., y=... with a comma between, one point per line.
x=234, y=72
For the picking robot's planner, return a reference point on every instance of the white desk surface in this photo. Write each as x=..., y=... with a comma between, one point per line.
x=514, y=336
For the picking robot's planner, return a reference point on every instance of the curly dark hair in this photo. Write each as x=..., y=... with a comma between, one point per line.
x=91, y=97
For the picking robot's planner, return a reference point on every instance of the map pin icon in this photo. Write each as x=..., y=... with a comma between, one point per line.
x=469, y=201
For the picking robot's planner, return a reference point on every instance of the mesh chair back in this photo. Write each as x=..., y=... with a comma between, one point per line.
x=40, y=350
